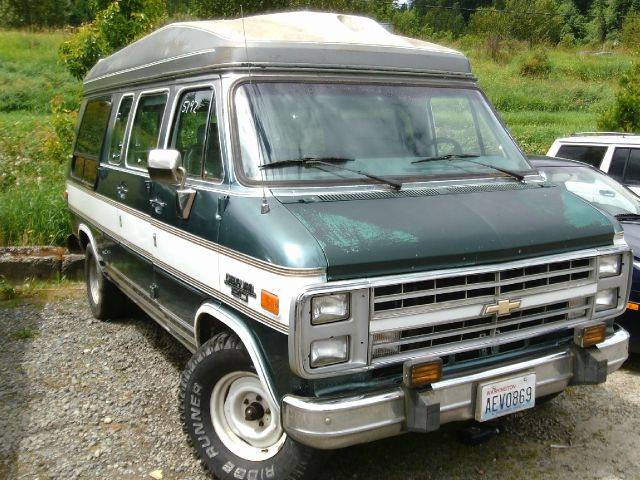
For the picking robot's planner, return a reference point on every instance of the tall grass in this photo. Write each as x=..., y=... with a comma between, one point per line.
x=32, y=166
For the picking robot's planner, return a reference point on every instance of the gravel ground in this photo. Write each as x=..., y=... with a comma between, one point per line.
x=81, y=398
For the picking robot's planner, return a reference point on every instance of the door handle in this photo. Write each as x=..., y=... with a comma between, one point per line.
x=158, y=205
x=122, y=190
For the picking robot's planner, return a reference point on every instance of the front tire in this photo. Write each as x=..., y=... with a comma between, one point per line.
x=230, y=419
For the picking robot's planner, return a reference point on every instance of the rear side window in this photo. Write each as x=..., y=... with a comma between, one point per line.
x=584, y=153
x=632, y=173
x=89, y=141
x=146, y=129
x=618, y=163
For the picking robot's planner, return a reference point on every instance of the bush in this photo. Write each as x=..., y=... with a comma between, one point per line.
x=631, y=31
x=536, y=65
x=624, y=115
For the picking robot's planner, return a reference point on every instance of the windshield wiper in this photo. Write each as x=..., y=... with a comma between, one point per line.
x=467, y=157
x=627, y=216
x=330, y=162
x=305, y=161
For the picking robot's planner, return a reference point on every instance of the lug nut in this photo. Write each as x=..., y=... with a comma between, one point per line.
x=261, y=423
x=246, y=401
x=258, y=398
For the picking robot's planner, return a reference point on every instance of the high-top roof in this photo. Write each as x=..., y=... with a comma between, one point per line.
x=282, y=40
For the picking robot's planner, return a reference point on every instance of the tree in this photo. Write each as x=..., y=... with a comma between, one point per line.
x=35, y=13
x=121, y=22
x=624, y=115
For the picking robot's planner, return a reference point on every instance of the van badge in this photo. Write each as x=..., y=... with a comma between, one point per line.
x=503, y=307
x=239, y=288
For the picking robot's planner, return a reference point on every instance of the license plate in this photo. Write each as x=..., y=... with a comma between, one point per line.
x=500, y=398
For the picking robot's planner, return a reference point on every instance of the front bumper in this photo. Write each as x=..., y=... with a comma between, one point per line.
x=343, y=421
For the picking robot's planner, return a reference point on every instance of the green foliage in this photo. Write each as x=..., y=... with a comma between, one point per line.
x=7, y=292
x=121, y=22
x=536, y=64
x=631, y=31
x=624, y=115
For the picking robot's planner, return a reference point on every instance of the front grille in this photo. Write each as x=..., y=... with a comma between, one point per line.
x=401, y=298
x=461, y=338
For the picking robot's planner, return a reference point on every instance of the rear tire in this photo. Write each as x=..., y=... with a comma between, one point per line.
x=105, y=299
x=230, y=420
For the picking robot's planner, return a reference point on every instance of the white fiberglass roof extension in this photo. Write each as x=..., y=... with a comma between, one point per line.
x=296, y=40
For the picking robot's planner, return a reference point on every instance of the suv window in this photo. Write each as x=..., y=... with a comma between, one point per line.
x=590, y=154
x=90, y=137
x=625, y=165
x=146, y=129
x=117, y=137
x=195, y=134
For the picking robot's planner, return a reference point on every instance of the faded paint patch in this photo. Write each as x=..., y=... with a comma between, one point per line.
x=352, y=235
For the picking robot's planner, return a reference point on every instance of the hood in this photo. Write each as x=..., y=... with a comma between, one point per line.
x=364, y=235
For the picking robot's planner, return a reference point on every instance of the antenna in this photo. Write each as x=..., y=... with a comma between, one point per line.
x=264, y=208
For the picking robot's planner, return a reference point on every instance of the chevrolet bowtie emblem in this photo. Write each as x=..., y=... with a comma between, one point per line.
x=503, y=307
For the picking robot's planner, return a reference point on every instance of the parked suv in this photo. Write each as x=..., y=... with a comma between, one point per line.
x=618, y=154
x=337, y=224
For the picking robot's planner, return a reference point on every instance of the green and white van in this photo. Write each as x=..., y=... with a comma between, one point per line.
x=336, y=223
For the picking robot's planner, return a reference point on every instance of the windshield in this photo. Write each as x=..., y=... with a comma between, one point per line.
x=378, y=129
x=595, y=187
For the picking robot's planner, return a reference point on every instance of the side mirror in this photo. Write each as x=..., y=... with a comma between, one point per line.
x=165, y=166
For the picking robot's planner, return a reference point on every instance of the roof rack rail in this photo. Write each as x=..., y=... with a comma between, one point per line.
x=617, y=134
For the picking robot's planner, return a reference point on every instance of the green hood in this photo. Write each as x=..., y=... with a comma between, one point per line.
x=363, y=235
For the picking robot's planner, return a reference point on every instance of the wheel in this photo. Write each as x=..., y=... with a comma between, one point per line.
x=105, y=299
x=231, y=421
x=456, y=147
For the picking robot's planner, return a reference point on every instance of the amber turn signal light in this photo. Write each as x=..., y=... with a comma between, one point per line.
x=633, y=306
x=420, y=372
x=589, y=336
x=270, y=302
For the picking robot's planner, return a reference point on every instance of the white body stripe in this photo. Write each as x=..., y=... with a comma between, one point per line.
x=199, y=264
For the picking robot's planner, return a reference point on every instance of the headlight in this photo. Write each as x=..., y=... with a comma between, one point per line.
x=606, y=299
x=609, y=266
x=329, y=351
x=330, y=308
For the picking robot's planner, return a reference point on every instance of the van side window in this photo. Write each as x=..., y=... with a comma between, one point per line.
x=117, y=137
x=90, y=138
x=190, y=131
x=146, y=129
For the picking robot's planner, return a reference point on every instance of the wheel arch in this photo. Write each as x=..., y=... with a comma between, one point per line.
x=220, y=317
x=85, y=237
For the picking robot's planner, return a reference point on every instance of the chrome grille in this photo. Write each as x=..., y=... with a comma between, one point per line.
x=461, y=336
x=391, y=300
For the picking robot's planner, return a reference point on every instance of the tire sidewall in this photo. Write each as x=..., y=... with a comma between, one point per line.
x=199, y=381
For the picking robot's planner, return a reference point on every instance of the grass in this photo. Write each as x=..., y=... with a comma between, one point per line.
x=32, y=166
x=567, y=96
x=25, y=333
x=570, y=98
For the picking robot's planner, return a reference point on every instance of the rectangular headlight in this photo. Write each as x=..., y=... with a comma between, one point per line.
x=329, y=351
x=609, y=266
x=330, y=308
x=606, y=299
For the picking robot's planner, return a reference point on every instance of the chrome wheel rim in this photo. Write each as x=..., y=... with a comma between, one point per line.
x=244, y=418
x=94, y=281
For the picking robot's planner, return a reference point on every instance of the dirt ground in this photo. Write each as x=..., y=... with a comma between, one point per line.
x=86, y=399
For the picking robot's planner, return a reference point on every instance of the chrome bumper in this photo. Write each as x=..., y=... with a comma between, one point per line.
x=340, y=422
